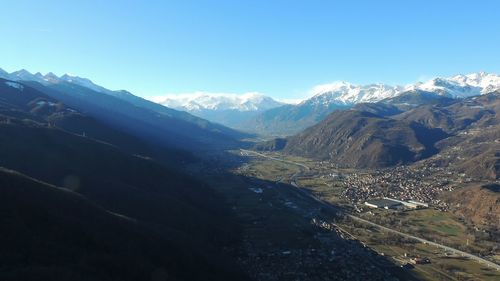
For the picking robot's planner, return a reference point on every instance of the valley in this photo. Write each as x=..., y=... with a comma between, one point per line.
x=455, y=251
x=401, y=189
x=286, y=232
x=250, y=140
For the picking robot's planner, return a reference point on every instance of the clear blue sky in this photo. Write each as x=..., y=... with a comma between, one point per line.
x=281, y=48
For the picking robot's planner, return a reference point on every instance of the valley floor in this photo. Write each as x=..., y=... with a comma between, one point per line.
x=288, y=234
x=299, y=224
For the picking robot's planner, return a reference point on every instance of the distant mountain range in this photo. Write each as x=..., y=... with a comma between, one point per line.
x=457, y=86
x=291, y=119
x=130, y=113
x=251, y=112
x=228, y=109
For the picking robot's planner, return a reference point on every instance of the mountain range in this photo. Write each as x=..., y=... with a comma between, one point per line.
x=92, y=177
x=228, y=109
x=132, y=114
x=459, y=133
x=254, y=113
x=291, y=119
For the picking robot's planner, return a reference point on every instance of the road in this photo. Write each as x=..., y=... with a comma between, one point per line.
x=275, y=159
x=444, y=247
x=441, y=246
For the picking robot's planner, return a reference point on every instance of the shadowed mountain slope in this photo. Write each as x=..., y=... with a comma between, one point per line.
x=150, y=122
x=114, y=172
x=49, y=233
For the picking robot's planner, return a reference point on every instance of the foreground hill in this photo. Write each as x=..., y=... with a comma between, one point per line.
x=50, y=233
x=113, y=175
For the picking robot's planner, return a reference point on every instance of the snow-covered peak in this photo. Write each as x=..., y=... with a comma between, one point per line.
x=458, y=86
x=461, y=86
x=51, y=78
x=347, y=93
x=22, y=74
x=199, y=101
x=84, y=82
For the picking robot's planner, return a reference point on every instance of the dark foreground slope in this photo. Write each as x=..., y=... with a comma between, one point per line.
x=49, y=233
x=183, y=223
x=126, y=184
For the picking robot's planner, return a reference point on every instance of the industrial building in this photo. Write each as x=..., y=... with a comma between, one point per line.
x=390, y=203
x=383, y=203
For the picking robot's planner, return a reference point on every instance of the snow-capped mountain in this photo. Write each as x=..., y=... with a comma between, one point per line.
x=207, y=101
x=231, y=110
x=347, y=93
x=26, y=76
x=50, y=78
x=461, y=86
x=330, y=97
x=84, y=82
x=259, y=113
x=458, y=86
x=133, y=114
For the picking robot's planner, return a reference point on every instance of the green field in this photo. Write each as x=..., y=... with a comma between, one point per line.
x=442, y=267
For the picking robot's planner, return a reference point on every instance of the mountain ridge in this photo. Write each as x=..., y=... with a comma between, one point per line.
x=461, y=134
x=231, y=110
x=213, y=101
x=129, y=112
x=289, y=120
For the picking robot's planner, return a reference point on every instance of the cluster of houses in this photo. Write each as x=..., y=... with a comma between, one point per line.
x=422, y=184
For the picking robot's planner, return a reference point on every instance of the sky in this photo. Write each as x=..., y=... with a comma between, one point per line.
x=279, y=48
